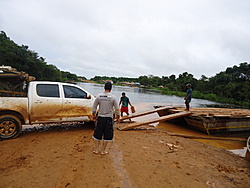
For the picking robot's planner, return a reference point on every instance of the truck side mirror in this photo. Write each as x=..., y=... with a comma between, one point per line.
x=88, y=96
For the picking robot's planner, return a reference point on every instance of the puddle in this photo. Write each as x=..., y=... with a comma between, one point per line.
x=236, y=147
x=241, y=152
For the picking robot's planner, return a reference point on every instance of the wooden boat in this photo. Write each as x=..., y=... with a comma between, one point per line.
x=214, y=120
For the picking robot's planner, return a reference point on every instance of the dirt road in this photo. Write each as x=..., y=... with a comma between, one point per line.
x=62, y=157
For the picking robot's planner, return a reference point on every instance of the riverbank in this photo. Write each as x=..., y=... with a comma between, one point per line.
x=62, y=157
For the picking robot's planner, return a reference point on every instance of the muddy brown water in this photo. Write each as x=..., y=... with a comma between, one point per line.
x=236, y=147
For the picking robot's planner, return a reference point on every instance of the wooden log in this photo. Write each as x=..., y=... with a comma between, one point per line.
x=222, y=115
x=13, y=92
x=207, y=137
x=144, y=113
x=163, y=118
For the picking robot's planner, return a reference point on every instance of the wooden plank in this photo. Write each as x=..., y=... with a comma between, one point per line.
x=144, y=113
x=163, y=118
x=12, y=92
x=217, y=111
x=222, y=115
x=207, y=137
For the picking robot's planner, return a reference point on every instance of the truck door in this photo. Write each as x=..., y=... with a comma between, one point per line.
x=46, y=104
x=77, y=104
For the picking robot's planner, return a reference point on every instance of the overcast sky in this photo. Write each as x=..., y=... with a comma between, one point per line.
x=132, y=38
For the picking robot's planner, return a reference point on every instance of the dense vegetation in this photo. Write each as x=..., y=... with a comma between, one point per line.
x=230, y=86
x=114, y=79
x=23, y=59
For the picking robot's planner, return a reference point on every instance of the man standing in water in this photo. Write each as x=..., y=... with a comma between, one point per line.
x=104, y=130
x=188, y=96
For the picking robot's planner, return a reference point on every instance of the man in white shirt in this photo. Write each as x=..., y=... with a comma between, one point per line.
x=104, y=130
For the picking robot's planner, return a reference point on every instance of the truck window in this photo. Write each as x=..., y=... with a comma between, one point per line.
x=74, y=92
x=47, y=90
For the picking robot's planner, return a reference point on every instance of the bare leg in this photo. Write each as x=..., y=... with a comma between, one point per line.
x=97, y=145
x=187, y=106
x=103, y=150
x=128, y=115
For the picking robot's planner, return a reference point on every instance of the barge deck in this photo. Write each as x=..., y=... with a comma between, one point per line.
x=214, y=120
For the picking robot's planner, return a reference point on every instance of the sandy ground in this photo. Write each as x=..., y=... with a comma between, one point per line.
x=62, y=157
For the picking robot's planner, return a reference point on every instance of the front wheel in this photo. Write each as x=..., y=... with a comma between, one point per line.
x=248, y=143
x=10, y=127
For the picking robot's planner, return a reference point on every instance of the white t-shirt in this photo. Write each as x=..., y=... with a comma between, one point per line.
x=106, y=102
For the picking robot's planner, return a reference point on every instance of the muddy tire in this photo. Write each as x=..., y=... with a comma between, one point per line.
x=10, y=127
x=248, y=143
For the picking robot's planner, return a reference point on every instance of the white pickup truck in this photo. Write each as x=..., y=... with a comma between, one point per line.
x=46, y=102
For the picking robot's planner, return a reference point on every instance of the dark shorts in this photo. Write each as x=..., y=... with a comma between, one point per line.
x=104, y=129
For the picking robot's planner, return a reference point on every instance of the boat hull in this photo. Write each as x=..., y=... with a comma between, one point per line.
x=213, y=120
x=213, y=125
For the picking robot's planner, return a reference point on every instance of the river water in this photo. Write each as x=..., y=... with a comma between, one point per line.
x=141, y=95
x=144, y=99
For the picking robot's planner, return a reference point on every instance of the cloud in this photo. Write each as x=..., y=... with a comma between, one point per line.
x=132, y=38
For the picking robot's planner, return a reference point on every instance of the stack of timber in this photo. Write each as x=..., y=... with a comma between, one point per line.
x=159, y=119
x=13, y=82
x=214, y=120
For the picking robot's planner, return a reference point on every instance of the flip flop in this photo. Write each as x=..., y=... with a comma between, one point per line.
x=104, y=153
x=96, y=152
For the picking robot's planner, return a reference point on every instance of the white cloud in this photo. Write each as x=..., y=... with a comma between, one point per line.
x=132, y=38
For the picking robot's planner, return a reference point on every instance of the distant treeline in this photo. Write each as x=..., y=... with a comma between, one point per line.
x=229, y=86
x=23, y=59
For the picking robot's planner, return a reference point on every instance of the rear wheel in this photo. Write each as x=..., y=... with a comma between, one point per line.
x=10, y=126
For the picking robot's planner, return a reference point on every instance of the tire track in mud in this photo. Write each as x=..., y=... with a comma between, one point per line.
x=119, y=167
